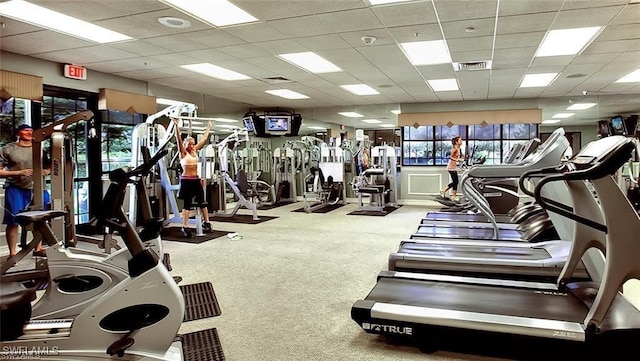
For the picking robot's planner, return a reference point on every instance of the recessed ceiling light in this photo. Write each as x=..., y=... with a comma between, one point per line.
x=426, y=52
x=566, y=41
x=551, y=121
x=443, y=85
x=173, y=22
x=537, y=80
x=351, y=114
x=53, y=20
x=387, y=125
x=563, y=115
x=581, y=106
x=225, y=120
x=360, y=89
x=371, y=121
x=317, y=128
x=632, y=77
x=164, y=101
x=286, y=93
x=396, y=112
x=310, y=61
x=217, y=13
x=215, y=71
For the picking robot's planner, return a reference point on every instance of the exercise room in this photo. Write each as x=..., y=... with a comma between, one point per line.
x=304, y=180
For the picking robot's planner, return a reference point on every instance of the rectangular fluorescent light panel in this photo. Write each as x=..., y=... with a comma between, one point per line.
x=396, y=112
x=551, y=121
x=215, y=71
x=359, y=89
x=164, y=101
x=317, y=128
x=443, y=85
x=310, y=61
x=387, y=125
x=566, y=41
x=581, y=106
x=632, y=77
x=371, y=121
x=351, y=114
x=562, y=115
x=537, y=80
x=225, y=120
x=215, y=12
x=52, y=20
x=427, y=52
x=286, y=93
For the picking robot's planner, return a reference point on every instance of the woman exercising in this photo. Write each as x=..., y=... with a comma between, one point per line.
x=191, y=186
x=454, y=158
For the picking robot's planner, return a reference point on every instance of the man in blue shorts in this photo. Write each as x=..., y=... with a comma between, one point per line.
x=16, y=165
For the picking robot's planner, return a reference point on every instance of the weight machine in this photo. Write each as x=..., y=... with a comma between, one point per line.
x=379, y=182
x=157, y=138
x=240, y=187
x=325, y=183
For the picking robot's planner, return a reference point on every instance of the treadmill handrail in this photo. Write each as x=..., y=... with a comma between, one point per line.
x=535, y=173
x=614, y=160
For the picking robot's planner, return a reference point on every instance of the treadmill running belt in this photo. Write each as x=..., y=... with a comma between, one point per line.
x=509, y=301
x=463, y=217
x=508, y=253
x=466, y=232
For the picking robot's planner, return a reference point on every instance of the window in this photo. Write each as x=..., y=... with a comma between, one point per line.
x=431, y=145
x=13, y=112
x=116, y=134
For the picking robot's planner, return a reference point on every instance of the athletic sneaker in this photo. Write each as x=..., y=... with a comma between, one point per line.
x=443, y=194
x=455, y=198
x=185, y=232
x=206, y=227
x=39, y=253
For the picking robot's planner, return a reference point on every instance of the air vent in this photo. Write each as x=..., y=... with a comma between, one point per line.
x=472, y=65
x=276, y=80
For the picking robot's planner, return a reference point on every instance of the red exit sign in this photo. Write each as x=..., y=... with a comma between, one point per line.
x=75, y=72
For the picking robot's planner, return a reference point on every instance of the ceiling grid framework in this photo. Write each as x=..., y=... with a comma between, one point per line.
x=333, y=30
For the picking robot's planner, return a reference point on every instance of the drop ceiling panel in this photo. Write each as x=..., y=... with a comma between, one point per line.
x=465, y=9
x=140, y=47
x=525, y=23
x=244, y=51
x=87, y=55
x=15, y=27
x=255, y=32
x=383, y=37
x=513, y=57
x=423, y=32
x=568, y=5
x=601, y=58
x=523, y=40
x=629, y=15
x=467, y=56
x=281, y=68
x=439, y=71
x=585, y=17
x=323, y=42
x=84, y=10
x=461, y=29
x=214, y=38
x=558, y=62
x=529, y=7
x=406, y=14
x=284, y=46
x=295, y=8
x=451, y=96
x=207, y=56
x=620, y=32
x=343, y=21
x=176, y=43
x=41, y=42
x=471, y=44
x=301, y=26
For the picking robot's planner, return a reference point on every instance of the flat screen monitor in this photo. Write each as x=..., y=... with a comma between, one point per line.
x=277, y=124
x=617, y=126
x=248, y=123
x=604, y=128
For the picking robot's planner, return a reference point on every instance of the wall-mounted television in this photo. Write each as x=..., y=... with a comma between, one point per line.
x=618, y=126
x=277, y=124
x=248, y=123
x=604, y=128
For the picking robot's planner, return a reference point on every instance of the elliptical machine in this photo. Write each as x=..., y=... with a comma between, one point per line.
x=138, y=316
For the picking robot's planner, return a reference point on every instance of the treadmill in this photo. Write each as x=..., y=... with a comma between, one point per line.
x=547, y=154
x=424, y=307
x=541, y=261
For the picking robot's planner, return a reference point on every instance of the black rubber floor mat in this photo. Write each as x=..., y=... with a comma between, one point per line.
x=242, y=218
x=202, y=346
x=199, y=301
x=173, y=234
x=325, y=209
x=387, y=210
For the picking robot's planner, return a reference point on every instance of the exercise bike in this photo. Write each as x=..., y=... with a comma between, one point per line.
x=137, y=317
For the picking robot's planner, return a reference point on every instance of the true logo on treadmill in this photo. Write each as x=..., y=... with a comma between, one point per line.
x=397, y=330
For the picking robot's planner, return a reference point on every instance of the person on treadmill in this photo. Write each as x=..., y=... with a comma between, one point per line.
x=454, y=158
x=191, y=186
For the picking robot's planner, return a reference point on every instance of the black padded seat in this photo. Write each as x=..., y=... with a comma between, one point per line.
x=25, y=218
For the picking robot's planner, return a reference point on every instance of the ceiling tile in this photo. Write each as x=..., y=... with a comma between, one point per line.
x=254, y=32
x=301, y=26
x=465, y=9
x=461, y=28
x=406, y=14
